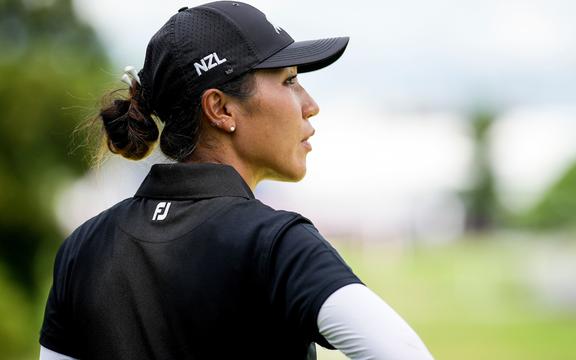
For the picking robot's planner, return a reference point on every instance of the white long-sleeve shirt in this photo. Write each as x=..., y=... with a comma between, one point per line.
x=359, y=323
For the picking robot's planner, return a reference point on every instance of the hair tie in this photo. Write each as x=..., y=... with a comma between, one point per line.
x=129, y=75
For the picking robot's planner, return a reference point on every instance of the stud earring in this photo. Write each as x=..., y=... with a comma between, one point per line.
x=232, y=128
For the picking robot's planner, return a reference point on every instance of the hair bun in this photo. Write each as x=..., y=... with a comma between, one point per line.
x=130, y=131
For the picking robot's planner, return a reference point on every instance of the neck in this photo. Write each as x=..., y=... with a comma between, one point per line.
x=203, y=155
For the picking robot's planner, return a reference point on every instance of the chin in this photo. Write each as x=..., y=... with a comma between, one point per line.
x=299, y=177
x=298, y=172
x=291, y=175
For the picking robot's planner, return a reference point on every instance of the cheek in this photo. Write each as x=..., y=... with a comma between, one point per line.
x=278, y=119
x=285, y=117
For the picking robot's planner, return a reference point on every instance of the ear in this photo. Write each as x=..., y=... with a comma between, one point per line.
x=216, y=107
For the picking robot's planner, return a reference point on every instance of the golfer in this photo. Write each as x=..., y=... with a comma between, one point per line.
x=193, y=266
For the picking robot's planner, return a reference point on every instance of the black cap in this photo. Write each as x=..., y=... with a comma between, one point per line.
x=211, y=44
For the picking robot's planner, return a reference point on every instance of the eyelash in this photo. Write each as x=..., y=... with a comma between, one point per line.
x=291, y=80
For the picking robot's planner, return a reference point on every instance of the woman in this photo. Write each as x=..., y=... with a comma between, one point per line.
x=193, y=267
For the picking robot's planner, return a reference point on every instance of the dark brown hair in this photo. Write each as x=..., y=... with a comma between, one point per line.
x=130, y=127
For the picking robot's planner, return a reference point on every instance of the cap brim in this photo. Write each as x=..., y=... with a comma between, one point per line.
x=307, y=55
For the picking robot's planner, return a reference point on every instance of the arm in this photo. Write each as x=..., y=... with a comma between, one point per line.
x=360, y=324
x=47, y=354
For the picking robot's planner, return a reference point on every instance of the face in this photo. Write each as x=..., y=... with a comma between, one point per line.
x=272, y=135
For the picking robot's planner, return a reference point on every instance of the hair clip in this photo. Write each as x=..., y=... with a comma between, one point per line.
x=129, y=75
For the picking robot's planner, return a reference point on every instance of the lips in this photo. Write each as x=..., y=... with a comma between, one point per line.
x=305, y=141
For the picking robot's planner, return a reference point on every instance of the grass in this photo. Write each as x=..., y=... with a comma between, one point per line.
x=473, y=299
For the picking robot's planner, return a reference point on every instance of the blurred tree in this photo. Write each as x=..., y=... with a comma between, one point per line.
x=557, y=207
x=47, y=58
x=480, y=200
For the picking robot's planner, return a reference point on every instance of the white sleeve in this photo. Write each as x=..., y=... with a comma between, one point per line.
x=47, y=354
x=359, y=323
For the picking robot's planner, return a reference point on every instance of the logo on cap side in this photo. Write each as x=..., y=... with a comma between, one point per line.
x=277, y=28
x=208, y=62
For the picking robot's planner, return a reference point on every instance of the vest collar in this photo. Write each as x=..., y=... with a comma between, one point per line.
x=193, y=181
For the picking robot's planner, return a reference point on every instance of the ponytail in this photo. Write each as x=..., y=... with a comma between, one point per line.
x=130, y=130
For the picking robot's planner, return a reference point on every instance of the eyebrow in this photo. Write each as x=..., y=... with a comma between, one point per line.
x=292, y=70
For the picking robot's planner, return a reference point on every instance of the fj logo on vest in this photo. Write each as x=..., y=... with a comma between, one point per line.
x=161, y=211
x=208, y=62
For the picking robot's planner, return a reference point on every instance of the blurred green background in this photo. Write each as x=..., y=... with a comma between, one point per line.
x=501, y=290
x=50, y=66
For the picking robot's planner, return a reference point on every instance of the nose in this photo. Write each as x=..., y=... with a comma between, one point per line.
x=309, y=106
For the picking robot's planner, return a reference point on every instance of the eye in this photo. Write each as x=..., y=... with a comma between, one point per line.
x=291, y=80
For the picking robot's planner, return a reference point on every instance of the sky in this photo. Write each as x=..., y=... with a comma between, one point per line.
x=392, y=138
